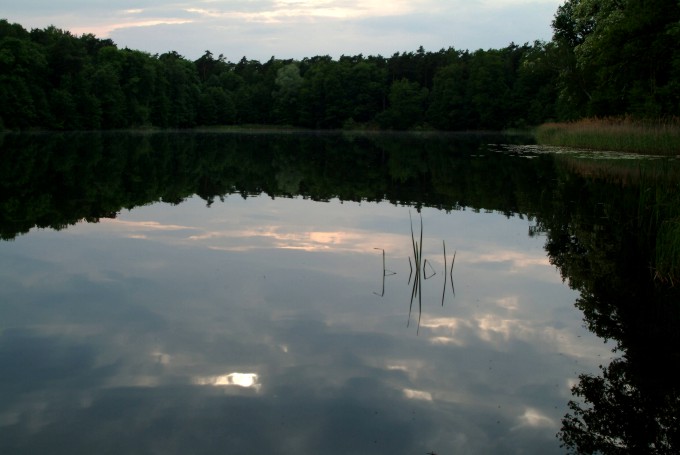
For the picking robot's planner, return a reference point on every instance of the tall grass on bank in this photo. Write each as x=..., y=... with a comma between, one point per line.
x=624, y=134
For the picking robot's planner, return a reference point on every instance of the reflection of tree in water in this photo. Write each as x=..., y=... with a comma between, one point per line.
x=633, y=405
x=288, y=175
x=55, y=180
x=624, y=414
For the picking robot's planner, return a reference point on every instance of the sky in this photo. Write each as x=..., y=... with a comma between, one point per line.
x=261, y=29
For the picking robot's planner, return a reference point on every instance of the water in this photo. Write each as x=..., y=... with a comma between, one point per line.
x=259, y=317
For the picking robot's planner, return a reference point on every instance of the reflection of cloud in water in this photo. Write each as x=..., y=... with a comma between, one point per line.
x=491, y=327
x=261, y=237
x=321, y=241
x=194, y=312
x=518, y=259
x=250, y=233
x=144, y=225
x=310, y=241
x=417, y=395
x=139, y=381
x=509, y=303
x=405, y=368
x=446, y=340
x=245, y=380
x=448, y=329
x=500, y=332
x=161, y=358
x=533, y=418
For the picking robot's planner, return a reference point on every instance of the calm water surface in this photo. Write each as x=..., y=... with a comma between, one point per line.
x=269, y=322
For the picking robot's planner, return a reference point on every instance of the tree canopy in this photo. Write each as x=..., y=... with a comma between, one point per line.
x=619, y=56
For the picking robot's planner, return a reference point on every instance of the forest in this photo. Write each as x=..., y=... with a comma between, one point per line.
x=606, y=58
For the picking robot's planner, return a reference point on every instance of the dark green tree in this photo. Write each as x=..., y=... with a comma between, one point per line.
x=406, y=105
x=322, y=95
x=107, y=87
x=138, y=83
x=367, y=90
x=619, y=57
x=179, y=91
x=287, y=93
x=451, y=107
x=23, y=71
x=535, y=92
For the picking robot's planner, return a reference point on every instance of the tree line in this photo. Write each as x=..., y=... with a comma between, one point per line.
x=605, y=58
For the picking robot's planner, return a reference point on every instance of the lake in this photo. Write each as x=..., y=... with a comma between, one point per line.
x=251, y=293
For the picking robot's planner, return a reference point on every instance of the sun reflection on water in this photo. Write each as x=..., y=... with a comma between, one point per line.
x=245, y=380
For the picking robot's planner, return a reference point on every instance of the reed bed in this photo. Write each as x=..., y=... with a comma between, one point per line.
x=659, y=208
x=658, y=213
x=657, y=216
x=667, y=261
x=625, y=134
x=622, y=171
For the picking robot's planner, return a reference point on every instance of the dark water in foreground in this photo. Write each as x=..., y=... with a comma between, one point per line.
x=179, y=293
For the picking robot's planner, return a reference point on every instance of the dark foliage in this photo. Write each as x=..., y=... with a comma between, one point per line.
x=51, y=79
